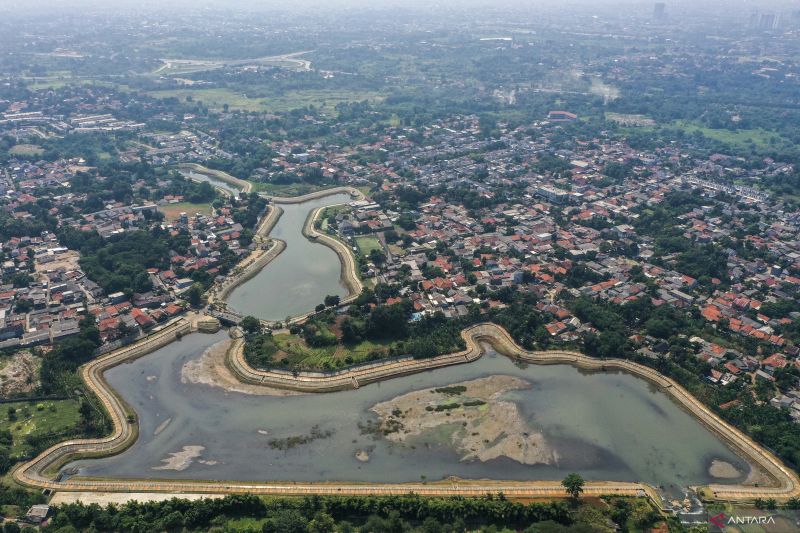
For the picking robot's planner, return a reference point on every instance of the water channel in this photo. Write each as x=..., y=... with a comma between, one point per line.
x=199, y=176
x=300, y=277
x=606, y=426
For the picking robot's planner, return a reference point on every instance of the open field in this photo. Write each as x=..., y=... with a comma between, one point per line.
x=38, y=418
x=287, y=190
x=60, y=82
x=26, y=149
x=173, y=212
x=236, y=100
x=367, y=244
x=736, y=138
x=297, y=353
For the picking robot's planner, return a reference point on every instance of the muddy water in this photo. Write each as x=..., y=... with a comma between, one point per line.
x=300, y=277
x=609, y=426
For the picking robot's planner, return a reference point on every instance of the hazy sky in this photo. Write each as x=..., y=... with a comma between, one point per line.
x=289, y=5
x=675, y=7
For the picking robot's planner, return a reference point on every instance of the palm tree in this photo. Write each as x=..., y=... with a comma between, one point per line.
x=573, y=483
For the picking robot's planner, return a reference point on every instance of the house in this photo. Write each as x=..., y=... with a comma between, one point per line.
x=561, y=116
x=37, y=513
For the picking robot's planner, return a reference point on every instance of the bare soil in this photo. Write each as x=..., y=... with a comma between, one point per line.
x=482, y=426
x=210, y=369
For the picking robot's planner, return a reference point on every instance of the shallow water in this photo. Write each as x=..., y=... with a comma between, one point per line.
x=606, y=426
x=300, y=277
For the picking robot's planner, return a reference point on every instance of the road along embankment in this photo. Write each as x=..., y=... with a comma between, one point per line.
x=786, y=482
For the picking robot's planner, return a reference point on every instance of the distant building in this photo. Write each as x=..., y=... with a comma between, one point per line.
x=659, y=11
x=561, y=116
x=552, y=194
x=767, y=21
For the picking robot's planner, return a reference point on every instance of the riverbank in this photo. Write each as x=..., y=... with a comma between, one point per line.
x=350, y=277
x=210, y=369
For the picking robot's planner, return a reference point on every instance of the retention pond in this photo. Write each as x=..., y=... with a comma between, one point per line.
x=488, y=419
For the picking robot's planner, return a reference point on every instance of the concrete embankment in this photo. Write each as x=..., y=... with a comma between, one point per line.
x=352, y=191
x=224, y=290
x=255, y=262
x=786, y=485
x=224, y=177
x=33, y=474
x=349, y=267
x=349, y=275
x=125, y=430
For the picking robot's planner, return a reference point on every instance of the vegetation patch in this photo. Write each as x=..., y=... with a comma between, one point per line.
x=26, y=150
x=288, y=443
x=367, y=244
x=29, y=422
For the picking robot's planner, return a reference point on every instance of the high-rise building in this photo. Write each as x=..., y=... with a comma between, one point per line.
x=767, y=21
x=660, y=11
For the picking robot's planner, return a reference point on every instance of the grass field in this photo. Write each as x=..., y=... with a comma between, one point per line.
x=26, y=149
x=38, y=418
x=367, y=244
x=291, y=189
x=299, y=354
x=173, y=212
x=66, y=81
x=736, y=138
x=237, y=100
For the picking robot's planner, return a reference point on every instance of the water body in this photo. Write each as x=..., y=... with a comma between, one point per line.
x=197, y=176
x=300, y=277
x=607, y=426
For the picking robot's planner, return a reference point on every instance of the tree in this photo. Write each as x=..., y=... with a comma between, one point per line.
x=195, y=295
x=250, y=324
x=573, y=484
x=331, y=301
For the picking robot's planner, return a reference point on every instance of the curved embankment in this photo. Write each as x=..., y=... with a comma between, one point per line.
x=787, y=484
x=123, y=417
x=242, y=185
x=352, y=191
x=33, y=473
x=223, y=290
x=253, y=264
x=349, y=275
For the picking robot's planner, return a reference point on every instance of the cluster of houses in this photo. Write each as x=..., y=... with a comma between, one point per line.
x=575, y=216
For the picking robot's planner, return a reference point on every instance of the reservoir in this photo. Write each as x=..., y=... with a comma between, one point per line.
x=605, y=426
x=300, y=277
